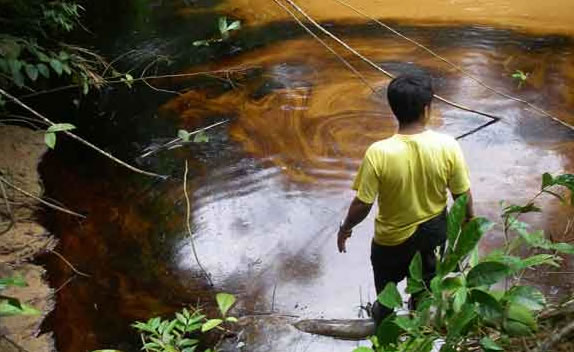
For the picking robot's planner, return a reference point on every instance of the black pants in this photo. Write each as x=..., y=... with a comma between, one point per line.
x=391, y=263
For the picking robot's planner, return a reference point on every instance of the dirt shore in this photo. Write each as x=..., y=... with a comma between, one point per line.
x=22, y=238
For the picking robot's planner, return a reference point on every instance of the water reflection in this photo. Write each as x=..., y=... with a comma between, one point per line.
x=270, y=188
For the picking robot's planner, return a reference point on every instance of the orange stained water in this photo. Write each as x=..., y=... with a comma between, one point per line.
x=553, y=17
x=269, y=190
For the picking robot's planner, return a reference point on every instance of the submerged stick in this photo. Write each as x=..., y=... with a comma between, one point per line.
x=188, y=226
x=80, y=139
x=48, y=204
x=62, y=258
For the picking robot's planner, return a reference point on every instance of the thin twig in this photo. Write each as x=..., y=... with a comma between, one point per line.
x=123, y=81
x=151, y=86
x=48, y=204
x=8, y=208
x=374, y=65
x=17, y=346
x=178, y=139
x=68, y=263
x=556, y=337
x=80, y=139
x=188, y=226
x=455, y=66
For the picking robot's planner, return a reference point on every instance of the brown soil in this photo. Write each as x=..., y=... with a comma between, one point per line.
x=20, y=152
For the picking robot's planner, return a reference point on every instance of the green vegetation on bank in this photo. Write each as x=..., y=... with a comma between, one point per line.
x=475, y=302
x=183, y=332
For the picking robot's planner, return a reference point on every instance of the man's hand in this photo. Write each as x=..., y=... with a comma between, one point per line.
x=342, y=237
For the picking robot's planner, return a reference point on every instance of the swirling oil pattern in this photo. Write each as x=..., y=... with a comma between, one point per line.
x=270, y=187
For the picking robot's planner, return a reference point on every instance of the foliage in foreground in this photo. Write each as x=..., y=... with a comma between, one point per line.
x=183, y=333
x=10, y=306
x=462, y=309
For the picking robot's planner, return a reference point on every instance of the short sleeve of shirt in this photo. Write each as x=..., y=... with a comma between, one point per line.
x=366, y=182
x=459, y=180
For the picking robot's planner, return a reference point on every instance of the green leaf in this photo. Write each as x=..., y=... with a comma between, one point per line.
x=517, y=209
x=222, y=24
x=43, y=70
x=231, y=319
x=224, y=302
x=184, y=135
x=455, y=218
x=416, y=267
x=11, y=307
x=66, y=68
x=210, y=324
x=521, y=314
x=489, y=345
x=235, y=25
x=32, y=72
x=12, y=281
x=487, y=306
x=414, y=286
x=388, y=332
x=547, y=180
x=527, y=296
x=200, y=137
x=390, y=296
x=566, y=180
x=56, y=66
x=515, y=328
x=60, y=127
x=537, y=239
x=467, y=240
x=187, y=342
x=460, y=321
x=541, y=259
x=452, y=283
x=471, y=234
x=409, y=325
x=487, y=273
x=459, y=299
x=50, y=139
x=180, y=318
x=363, y=349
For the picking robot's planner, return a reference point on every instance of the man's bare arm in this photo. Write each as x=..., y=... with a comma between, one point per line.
x=358, y=211
x=469, y=205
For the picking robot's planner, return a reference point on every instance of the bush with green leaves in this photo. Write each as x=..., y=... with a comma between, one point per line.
x=183, y=332
x=464, y=307
x=33, y=48
x=10, y=306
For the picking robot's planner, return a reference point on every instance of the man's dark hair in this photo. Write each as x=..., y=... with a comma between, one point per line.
x=408, y=95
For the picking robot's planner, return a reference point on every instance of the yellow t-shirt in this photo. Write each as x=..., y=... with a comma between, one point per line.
x=409, y=175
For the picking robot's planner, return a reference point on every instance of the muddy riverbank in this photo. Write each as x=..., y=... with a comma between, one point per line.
x=22, y=239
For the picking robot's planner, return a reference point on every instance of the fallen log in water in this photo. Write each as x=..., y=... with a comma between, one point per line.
x=348, y=329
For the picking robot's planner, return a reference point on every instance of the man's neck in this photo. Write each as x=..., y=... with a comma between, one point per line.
x=412, y=128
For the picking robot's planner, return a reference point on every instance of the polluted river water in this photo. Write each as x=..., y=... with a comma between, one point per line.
x=270, y=187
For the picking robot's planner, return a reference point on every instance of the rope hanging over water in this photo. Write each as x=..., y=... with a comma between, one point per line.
x=455, y=66
x=493, y=118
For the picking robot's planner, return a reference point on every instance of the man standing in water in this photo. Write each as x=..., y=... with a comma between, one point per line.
x=409, y=174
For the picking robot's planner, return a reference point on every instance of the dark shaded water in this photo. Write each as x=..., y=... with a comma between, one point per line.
x=270, y=187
